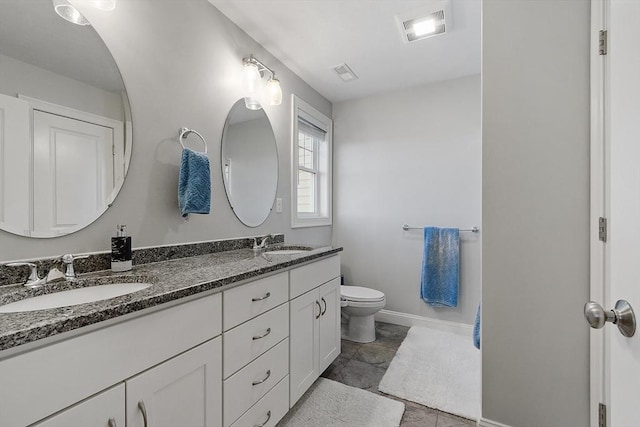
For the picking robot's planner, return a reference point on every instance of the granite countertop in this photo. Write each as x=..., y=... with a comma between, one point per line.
x=171, y=280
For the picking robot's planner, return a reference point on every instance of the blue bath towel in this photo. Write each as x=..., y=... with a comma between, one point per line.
x=440, y=266
x=194, y=185
x=476, y=330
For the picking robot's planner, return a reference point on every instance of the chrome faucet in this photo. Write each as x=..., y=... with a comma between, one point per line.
x=67, y=260
x=33, y=281
x=263, y=243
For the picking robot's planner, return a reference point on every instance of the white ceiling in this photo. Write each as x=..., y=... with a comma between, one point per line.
x=312, y=36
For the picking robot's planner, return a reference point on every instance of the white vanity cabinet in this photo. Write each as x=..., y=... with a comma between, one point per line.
x=237, y=358
x=314, y=323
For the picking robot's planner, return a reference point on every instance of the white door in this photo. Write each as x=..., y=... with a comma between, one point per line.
x=70, y=157
x=103, y=410
x=329, y=346
x=616, y=373
x=624, y=81
x=184, y=391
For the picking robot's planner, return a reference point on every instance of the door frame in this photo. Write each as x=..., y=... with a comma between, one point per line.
x=599, y=177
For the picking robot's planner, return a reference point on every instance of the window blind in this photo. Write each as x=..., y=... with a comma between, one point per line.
x=309, y=128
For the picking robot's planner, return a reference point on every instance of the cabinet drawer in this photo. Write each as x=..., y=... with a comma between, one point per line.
x=303, y=279
x=244, y=343
x=95, y=361
x=248, y=385
x=268, y=410
x=94, y=412
x=247, y=301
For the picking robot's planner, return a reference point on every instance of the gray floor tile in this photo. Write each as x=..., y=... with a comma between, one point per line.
x=349, y=348
x=334, y=369
x=376, y=354
x=448, y=420
x=361, y=375
x=418, y=416
x=390, y=335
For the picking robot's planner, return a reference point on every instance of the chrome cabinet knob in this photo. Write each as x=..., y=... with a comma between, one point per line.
x=622, y=316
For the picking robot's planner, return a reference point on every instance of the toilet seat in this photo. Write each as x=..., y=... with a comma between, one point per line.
x=360, y=294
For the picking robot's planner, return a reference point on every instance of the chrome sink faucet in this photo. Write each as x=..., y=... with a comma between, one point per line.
x=67, y=260
x=262, y=245
x=33, y=281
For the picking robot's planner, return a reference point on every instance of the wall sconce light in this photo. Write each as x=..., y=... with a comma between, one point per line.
x=68, y=12
x=252, y=80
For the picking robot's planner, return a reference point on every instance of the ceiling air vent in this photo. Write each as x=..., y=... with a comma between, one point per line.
x=425, y=22
x=345, y=73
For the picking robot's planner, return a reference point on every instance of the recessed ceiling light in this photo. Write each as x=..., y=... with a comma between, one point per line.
x=345, y=73
x=422, y=28
x=425, y=26
x=425, y=22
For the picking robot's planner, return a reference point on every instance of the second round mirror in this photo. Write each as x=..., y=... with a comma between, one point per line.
x=249, y=163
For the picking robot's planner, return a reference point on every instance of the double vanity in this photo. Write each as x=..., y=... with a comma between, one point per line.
x=230, y=338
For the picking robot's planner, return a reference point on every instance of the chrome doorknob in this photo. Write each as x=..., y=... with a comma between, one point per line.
x=622, y=316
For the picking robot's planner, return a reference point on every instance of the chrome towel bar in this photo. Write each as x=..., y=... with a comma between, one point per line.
x=184, y=133
x=405, y=227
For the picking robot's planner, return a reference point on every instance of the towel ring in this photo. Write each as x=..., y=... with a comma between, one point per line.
x=184, y=133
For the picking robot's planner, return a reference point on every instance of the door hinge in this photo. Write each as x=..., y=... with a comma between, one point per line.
x=602, y=415
x=602, y=42
x=602, y=229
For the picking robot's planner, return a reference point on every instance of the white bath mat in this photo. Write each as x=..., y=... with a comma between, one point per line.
x=437, y=369
x=329, y=403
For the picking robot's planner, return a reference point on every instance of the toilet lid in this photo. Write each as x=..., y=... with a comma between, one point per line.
x=358, y=293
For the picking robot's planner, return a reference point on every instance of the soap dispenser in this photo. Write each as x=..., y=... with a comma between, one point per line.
x=121, y=250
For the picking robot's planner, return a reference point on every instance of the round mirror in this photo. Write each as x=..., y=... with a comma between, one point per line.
x=249, y=163
x=66, y=135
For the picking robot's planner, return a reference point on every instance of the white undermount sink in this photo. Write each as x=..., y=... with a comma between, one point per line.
x=286, y=252
x=73, y=297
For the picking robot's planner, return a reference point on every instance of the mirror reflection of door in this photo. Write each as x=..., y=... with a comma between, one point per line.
x=70, y=157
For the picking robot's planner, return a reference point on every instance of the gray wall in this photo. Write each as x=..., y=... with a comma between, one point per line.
x=181, y=64
x=410, y=156
x=535, y=348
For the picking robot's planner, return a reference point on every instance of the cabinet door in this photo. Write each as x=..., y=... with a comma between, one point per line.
x=184, y=391
x=329, y=346
x=303, y=357
x=104, y=410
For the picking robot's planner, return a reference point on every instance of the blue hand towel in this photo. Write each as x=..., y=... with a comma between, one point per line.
x=476, y=330
x=440, y=265
x=194, y=185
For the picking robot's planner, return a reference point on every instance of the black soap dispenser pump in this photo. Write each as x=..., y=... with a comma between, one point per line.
x=121, y=250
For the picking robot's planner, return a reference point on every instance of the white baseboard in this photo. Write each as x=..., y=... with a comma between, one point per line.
x=406, y=319
x=483, y=422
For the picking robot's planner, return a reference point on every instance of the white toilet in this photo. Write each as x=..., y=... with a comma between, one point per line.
x=361, y=304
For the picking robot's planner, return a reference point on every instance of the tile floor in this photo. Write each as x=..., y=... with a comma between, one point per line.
x=363, y=365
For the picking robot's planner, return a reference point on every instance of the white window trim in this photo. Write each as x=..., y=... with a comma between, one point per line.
x=306, y=111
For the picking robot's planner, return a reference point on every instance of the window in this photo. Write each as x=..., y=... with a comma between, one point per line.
x=311, y=166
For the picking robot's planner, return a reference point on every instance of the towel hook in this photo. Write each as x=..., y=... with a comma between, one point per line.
x=184, y=133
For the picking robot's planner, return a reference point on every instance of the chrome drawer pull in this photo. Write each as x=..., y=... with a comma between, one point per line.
x=263, y=335
x=264, y=379
x=319, y=310
x=143, y=409
x=265, y=296
x=325, y=306
x=264, y=423
x=112, y=422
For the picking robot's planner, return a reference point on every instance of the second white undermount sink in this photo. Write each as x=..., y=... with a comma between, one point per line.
x=286, y=252
x=73, y=297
